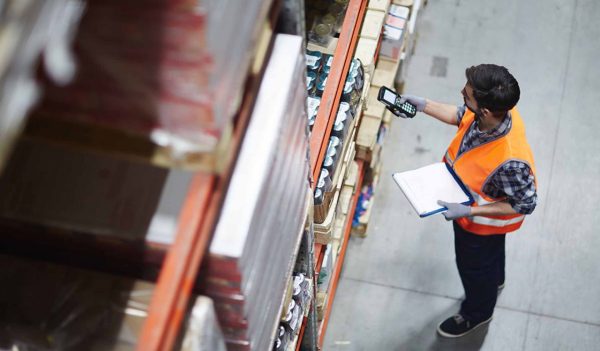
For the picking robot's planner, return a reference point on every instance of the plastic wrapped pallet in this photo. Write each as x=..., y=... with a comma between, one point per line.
x=27, y=29
x=165, y=70
x=52, y=307
x=394, y=32
x=258, y=234
x=91, y=193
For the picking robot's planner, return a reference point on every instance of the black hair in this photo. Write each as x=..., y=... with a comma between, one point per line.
x=493, y=86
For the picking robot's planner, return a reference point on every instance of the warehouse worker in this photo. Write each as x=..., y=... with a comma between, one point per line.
x=491, y=156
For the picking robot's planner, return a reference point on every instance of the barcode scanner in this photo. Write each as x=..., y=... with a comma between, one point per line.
x=391, y=100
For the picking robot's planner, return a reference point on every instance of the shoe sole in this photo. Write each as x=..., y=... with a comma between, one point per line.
x=446, y=335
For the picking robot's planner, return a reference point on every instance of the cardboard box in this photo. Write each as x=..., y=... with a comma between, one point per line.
x=407, y=3
x=383, y=78
x=394, y=32
x=367, y=132
x=400, y=11
x=373, y=106
x=365, y=52
x=371, y=27
x=381, y=5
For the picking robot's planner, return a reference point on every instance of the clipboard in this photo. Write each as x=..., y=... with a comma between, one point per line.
x=424, y=186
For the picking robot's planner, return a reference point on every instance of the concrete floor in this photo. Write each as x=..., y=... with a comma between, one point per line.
x=400, y=281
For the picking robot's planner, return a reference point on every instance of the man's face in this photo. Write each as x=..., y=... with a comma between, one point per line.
x=467, y=93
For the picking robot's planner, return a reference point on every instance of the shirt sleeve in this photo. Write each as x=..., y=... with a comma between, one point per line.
x=515, y=181
x=460, y=112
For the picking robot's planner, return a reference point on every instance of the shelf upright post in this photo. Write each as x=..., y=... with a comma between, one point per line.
x=330, y=100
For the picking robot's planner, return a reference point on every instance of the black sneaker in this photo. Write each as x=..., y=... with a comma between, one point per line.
x=456, y=326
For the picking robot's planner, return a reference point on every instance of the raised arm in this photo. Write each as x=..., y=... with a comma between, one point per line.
x=442, y=112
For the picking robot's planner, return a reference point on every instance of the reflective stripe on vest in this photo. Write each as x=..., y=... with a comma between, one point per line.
x=476, y=165
x=494, y=222
x=497, y=222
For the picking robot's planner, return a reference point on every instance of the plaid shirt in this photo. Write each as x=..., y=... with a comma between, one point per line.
x=514, y=179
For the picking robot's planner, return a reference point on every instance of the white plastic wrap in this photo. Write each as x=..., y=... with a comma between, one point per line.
x=48, y=307
x=28, y=28
x=203, y=332
x=171, y=71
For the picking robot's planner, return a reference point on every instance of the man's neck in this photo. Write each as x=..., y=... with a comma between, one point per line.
x=488, y=124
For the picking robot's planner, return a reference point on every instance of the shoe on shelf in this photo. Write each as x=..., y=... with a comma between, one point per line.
x=456, y=326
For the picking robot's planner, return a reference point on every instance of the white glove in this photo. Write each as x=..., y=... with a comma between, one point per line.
x=455, y=210
x=418, y=101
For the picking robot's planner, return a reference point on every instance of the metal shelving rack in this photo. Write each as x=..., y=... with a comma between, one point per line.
x=321, y=132
x=340, y=260
x=176, y=265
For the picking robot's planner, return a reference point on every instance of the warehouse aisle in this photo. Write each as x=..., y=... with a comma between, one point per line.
x=401, y=281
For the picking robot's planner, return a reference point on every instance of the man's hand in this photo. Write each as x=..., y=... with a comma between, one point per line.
x=419, y=103
x=455, y=210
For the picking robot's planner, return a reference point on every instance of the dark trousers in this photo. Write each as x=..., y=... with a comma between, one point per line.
x=480, y=262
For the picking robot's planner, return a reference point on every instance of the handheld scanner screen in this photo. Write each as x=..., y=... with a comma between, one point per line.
x=389, y=97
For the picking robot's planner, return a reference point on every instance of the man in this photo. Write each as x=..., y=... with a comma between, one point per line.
x=490, y=154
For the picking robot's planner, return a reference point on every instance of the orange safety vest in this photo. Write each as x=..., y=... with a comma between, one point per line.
x=475, y=166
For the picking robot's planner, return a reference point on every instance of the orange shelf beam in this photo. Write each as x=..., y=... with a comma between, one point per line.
x=302, y=329
x=178, y=274
x=340, y=260
x=330, y=100
x=326, y=116
x=320, y=250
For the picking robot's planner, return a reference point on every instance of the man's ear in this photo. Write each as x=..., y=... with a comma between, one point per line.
x=486, y=112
